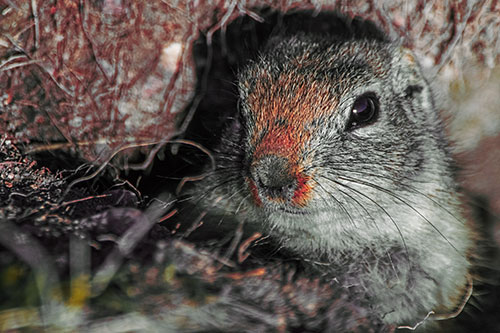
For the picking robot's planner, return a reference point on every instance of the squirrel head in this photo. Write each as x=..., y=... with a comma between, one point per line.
x=311, y=108
x=338, y=152
x=342, y=151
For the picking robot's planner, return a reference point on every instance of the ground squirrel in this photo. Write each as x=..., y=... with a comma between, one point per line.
x=338, y=153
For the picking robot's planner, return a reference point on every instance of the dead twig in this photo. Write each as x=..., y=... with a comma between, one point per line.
x=242, y=254
x=201, y=176
x=102, y=166
x=34, y=10
x=143, y=223
x=222, y=22
x=414, y=327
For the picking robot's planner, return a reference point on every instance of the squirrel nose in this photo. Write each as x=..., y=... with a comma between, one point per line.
x=272, y=177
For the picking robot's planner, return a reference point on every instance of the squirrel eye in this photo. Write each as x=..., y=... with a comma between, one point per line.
x=364, y=111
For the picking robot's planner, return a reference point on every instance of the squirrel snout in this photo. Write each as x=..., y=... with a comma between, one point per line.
x=273, y=178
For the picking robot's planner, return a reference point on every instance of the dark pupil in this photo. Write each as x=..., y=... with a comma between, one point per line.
x=363, y=110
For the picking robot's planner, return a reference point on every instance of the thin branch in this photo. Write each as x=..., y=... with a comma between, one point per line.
x=414, y=327
x=12, y=58
x=34, y=9
x=143, y=223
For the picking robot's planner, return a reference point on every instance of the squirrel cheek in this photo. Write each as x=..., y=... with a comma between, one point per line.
x=303, y=192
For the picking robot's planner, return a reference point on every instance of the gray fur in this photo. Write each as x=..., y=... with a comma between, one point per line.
x=385, y=212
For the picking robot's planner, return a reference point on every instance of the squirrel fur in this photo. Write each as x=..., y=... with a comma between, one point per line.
x=339, y=155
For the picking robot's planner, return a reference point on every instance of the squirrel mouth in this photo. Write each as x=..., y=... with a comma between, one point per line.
x=290, y=211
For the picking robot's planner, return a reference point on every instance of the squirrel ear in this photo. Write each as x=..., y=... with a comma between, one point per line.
x=408, y=74
x=411, y=84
